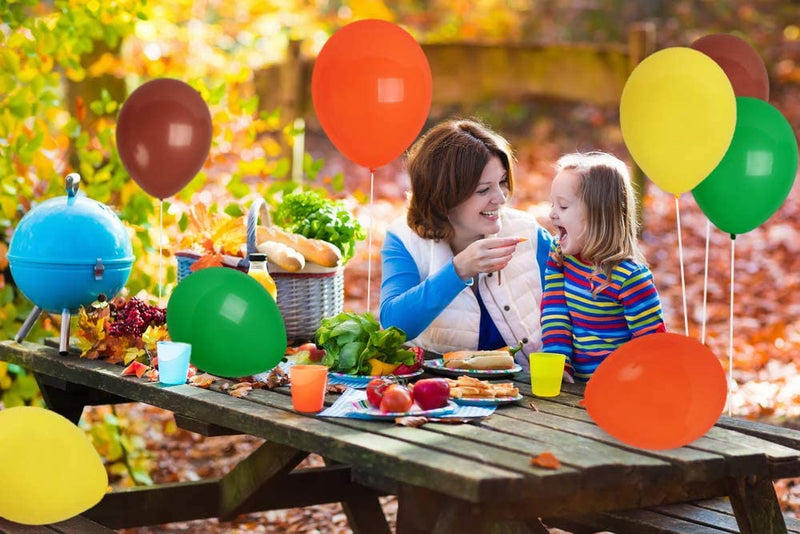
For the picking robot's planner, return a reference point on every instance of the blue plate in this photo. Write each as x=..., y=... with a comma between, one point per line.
x=486, y=402
x=363, y=410
x=364, y=379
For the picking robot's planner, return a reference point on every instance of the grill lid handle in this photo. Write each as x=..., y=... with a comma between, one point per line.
x=73, y=179
x=99, y=269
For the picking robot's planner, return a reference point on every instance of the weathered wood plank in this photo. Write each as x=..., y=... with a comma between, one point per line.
x=787, y=437
x=756, y=506
x=240, y=484
x=8, y=527
x=723, y=505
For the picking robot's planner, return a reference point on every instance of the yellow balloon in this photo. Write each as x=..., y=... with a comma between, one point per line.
x=50, y=470
x=678, y=114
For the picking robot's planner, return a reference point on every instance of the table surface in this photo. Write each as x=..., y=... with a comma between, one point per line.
x=483, y=467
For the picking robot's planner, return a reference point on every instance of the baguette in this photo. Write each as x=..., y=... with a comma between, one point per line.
x=478, y=359
x=282, y=255
x=314, y=250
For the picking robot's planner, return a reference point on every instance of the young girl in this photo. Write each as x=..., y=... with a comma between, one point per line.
x=598, y=290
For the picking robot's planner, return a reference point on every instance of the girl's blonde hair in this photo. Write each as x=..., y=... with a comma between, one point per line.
x=611, y=225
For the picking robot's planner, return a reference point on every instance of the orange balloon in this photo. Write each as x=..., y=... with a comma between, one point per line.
x=659, y=391
x=372, y=91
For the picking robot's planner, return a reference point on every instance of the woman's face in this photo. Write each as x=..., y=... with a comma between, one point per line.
x=568, y=212
x=479, y=215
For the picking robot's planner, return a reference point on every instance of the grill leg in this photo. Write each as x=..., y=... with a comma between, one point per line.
x=63, y=343
x=28, y=324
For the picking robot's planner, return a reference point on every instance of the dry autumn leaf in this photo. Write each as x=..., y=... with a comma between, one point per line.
x=202, y=381
x=546, y=460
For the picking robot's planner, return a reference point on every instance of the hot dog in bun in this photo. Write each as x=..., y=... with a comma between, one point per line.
x=478, y=359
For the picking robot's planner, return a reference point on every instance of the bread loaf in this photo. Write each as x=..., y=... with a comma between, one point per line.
x=282, y=255
x=314, y=250
x=478, y=359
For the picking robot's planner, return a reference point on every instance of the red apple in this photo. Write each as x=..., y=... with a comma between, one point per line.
x=431, y=393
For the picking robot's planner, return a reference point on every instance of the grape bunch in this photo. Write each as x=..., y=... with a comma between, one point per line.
x=133, y=318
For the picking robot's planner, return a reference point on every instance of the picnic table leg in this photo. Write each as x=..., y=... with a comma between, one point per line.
x=755, y=506
x=364, y=513
x=424, y=511
x=62, y=402
x=269, y=461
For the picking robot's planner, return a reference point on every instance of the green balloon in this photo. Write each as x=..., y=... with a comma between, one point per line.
x=233, y=324
x=756, y=173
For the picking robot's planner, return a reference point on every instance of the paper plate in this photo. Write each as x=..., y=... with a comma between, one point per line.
x=437, y=366
x=364, y=379
x=363, y=410
x=487, y=402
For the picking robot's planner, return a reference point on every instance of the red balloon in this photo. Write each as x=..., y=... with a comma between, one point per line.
x=372, y=91
x=740, y=62
x=163, y=135
x=659, y=391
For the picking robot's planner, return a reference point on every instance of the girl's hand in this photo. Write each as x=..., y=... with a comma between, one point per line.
x=568, y=378
x=484, y=256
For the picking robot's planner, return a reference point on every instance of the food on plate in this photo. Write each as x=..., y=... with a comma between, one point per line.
x=282, y=255
x=379, y=368
x=431, y=393
x=396, y=398
x=478, y=359
x=375, y=390
x=314, y=250
x=467, y=387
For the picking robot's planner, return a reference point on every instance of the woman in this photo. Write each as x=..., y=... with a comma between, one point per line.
x=462, y=271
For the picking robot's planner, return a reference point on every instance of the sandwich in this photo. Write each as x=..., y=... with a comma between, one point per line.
x=479, y=359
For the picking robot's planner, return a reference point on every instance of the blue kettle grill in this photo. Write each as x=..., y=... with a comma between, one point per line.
x=64, y=253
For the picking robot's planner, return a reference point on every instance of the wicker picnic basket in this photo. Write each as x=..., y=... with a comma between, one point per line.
x=304, y=297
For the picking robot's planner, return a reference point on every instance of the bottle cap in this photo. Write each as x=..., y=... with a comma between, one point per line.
x=257, y=256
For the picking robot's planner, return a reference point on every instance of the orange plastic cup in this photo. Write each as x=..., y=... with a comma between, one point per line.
x=308, y=387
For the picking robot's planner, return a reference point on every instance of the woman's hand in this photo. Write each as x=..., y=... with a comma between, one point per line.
x=484, y=256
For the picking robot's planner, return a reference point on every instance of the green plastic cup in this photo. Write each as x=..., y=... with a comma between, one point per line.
x=547, y=370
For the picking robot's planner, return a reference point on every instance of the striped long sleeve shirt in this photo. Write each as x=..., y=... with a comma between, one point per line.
x=587, y=328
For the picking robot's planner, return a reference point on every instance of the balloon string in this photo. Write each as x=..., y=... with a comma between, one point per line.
x=705, y=284
x=160, y=245
x=730, y=336
x=680, y=259
x=369, y=236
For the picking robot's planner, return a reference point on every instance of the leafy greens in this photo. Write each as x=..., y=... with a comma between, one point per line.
x=350, y=339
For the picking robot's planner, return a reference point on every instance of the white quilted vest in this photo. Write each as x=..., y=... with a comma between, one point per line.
x=514, y=304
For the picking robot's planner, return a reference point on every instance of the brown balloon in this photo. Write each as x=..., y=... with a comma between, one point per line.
x=740, y=62
x=163, y=135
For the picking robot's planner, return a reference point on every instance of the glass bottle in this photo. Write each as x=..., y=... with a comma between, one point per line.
x=258, y=270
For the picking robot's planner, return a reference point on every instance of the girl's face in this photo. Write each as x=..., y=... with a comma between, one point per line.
x=568, y=212
x=479, y=215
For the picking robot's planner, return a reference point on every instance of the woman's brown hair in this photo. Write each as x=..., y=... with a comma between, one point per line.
x=611, y=225
x=445, y=166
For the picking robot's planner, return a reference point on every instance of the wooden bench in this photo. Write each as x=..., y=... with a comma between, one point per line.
x=76, y=525
x=707, y=516
x=704, y=516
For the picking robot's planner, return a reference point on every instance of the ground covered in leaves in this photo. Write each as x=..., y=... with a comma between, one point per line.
x=763, y=325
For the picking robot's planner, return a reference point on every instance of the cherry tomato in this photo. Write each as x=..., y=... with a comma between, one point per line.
x=375, y=390
x=396, y=398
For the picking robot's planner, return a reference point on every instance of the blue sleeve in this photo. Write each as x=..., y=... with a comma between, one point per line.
x=544, y=243
x=407, y=302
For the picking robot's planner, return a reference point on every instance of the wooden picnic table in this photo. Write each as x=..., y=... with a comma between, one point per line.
x=448, y=477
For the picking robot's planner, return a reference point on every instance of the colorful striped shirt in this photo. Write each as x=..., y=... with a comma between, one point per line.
x=587, y=328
